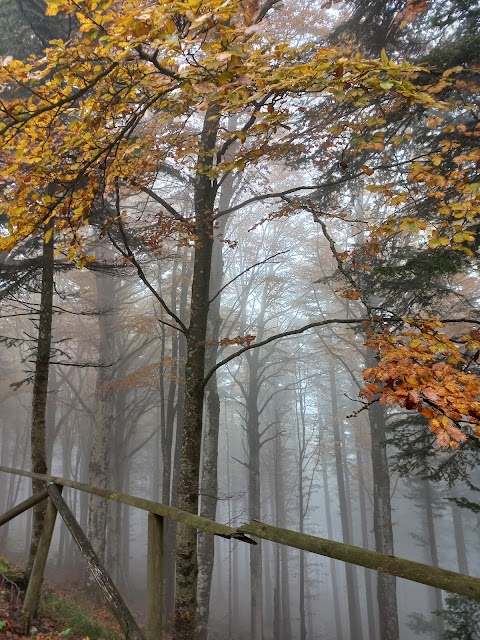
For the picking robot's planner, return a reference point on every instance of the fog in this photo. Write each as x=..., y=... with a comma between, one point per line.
x=285, y=436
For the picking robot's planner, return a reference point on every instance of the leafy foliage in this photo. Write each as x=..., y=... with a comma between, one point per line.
x=99, y=117
x=95, y=98
x=462, y=617
x=422, y=369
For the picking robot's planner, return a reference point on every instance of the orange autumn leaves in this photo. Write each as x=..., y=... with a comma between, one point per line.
x=115, y=103
x=425, y=370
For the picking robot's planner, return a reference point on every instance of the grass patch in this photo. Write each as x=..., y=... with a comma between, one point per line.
x=71, y=614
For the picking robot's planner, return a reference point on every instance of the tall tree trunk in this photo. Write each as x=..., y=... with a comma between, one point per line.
x=104, y=414
x=188, y=486
x=302, y=452
x=116, y=472
x=435, y=594
x=230, y=546
x=372, y=634
x=333, y=566
x=382, y=518
x=351, y=574
x=38, y=442
x=462, y=558
x=254, y=490
x=53, y=389
x=253, y=437
x=172, y=429
x=283, y=582
x=17, y=457
x=206, y=546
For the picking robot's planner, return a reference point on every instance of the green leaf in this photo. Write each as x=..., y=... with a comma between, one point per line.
x=438, y=242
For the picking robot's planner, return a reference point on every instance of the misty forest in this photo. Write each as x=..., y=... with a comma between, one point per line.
x=239, y=290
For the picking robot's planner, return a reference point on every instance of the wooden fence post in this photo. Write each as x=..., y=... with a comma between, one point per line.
x=155, y=577
x=32, y=595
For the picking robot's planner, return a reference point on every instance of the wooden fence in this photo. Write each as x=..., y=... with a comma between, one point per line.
x=433, y=576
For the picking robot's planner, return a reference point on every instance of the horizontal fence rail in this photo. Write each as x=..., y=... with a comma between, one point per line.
x=172, y=513
x=393, y=565
x=436, y=577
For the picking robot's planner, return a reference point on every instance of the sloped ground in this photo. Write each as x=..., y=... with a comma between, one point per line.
x=64, y=614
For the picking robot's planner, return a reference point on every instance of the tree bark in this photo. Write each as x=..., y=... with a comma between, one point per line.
x=188, y=486
x=206, y=544
x=38, y=442
x=382, y=518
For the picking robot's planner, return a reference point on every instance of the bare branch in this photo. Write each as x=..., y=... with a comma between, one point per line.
x=128, y=253
x=264, y=9
x=279, y=336
x=166, y=205
x=257, y=264
x=281, y=194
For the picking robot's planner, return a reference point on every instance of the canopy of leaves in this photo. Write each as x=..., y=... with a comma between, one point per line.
x=121, y=99
x=101, y=115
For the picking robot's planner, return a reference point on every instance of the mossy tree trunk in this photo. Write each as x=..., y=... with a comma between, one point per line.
x=188, y=487
x=208, y=509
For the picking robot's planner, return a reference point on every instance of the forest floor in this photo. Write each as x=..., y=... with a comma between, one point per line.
x=65, y=614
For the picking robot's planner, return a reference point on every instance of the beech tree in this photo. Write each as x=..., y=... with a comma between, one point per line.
x=148, y=88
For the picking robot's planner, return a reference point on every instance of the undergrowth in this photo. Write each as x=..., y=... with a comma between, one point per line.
x=63, y=615
x=71, y=614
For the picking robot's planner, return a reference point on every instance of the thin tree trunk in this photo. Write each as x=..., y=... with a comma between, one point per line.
x=230, y=546
x=38, y=442
x=254, y=492
x=5, y=504
x=350, y=571
x=333, y=566
x=301, y=438
x=372, y=634
x=435, y=594
x=382, y=518
x=172, y=426
x=461, y=548
x=53, y=388
x=104, y=414
x=253, y=436
x=283, y=582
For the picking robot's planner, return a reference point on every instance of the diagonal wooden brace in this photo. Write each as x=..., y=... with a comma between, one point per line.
x=114, y=599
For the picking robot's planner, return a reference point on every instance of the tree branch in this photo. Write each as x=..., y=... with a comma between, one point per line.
x=166, y=205
x=128, y=253
x=281, y=194
x=279, y=336
x=257, y=264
